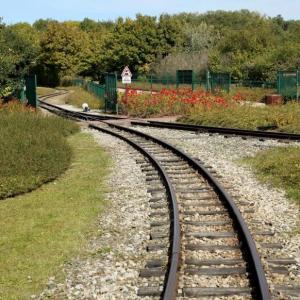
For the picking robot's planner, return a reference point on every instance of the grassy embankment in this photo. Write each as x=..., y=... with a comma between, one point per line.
x=281, y=168
x=79, y=96
x=33, y=149
x=285, y=117
x=41, y=230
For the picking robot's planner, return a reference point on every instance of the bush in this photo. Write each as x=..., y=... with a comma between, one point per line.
x=33, y=149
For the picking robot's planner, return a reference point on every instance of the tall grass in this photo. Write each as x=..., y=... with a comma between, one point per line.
x=33, y=149
x=285, y=117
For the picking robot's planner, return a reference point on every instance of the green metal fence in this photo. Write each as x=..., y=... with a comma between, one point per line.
x=185, y=77
x=78, y=82
x=31, y=95
x=97, y=89
x=217, y=81
x=288, y=84
x=111, y=96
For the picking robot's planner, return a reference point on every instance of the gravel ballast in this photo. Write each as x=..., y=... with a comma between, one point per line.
x=110, y=267
x=273, y=211
x=110, y=270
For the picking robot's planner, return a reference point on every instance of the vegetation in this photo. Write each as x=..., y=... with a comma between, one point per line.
x=169, y=102
x=42, y=230
x=220, y=41
x=33, y=149
x=17, y=52
x=203, y=108
x=78, y=96
x=279, y=167
x=285, y=118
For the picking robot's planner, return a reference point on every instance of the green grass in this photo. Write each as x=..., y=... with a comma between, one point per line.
x=285, y=117
x=42, y=230
x=281, y=168
x=80, y=96
x=44, y=91
x=33, y=149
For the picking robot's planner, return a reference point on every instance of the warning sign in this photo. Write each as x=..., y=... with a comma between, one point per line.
x=126, y=76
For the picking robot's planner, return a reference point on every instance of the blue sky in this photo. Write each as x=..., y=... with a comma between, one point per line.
x=30, y=10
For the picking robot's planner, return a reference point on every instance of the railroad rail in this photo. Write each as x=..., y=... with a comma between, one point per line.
x=253, y=259
x=221, y=130
x=185, y=197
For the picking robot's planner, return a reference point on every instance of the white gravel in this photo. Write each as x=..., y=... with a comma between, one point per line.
x=110, y=269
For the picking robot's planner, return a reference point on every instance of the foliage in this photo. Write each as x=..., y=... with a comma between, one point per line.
x=64, y=52
x=132, y=43
x=32, y=148
x=279, y=167
x=285, y=118
x=17, y=52
x=49, y=226
x=219, y=40
x=200, y=37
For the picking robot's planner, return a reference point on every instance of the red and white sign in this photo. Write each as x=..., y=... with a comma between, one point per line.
x=126, y=76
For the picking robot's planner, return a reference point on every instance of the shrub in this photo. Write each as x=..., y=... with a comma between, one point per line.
x=33, y=149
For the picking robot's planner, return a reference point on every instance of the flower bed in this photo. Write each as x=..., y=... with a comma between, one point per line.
x=171, y=102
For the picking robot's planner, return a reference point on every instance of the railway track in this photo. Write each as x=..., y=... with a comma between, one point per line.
x=200, y=245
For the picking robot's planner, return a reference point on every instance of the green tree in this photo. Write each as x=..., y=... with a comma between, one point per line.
x=17, y=55
x=65, y=51
x=133, y=43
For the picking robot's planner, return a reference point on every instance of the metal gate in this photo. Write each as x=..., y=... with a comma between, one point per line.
x=288, y=83
x=217, y=81
x=111, y=96
x=30, y=82
x=185, y=77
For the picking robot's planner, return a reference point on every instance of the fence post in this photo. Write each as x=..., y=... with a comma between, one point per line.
x=31, y=96
x=207, y=81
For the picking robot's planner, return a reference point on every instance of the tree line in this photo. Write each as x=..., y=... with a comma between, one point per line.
x=248, y=45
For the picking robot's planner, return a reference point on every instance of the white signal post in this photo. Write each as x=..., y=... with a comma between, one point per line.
x=126, y=79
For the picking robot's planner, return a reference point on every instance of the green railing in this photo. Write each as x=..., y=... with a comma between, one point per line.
x=96, y=89
x=288, y=84
x=92, y=87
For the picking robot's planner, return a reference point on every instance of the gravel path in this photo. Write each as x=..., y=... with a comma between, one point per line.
x=110, y=269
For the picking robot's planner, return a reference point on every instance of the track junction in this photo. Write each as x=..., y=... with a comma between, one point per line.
x=196, y=226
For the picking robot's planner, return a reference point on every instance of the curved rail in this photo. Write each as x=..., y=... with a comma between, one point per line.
x=170, y=288
x=249, y=244
x=221, y=130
